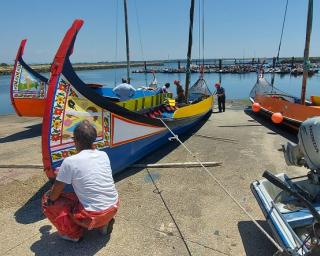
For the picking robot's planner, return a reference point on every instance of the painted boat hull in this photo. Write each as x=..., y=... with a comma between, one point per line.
x=293, y=113
x=125, y=135
x=27, y=88
x=136, y=150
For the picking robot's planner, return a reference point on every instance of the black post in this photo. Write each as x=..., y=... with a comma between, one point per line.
x=220, y=64
x=292, y=62
x=306, y=53
x=274, y=62
x=188, y=72
x=179, y=64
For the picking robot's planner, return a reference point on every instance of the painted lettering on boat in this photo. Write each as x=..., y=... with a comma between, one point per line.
x=314, y=143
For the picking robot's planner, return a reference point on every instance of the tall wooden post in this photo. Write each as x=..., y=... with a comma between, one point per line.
x=306, y=53
x=188, y=71
x=127, y=39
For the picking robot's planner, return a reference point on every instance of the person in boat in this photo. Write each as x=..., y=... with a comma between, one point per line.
x=165, y=88
x=181, y=98
x=94, y=202
x=221, y=97
x=124, y=90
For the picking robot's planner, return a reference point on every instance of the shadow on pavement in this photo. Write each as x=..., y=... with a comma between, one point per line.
x=254, y=241
x=31, y=211
x=284, y=131
x=160, y=152
x=52, y=244
x=31, y=132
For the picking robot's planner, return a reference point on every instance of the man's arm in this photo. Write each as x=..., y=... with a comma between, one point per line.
x=56, y=190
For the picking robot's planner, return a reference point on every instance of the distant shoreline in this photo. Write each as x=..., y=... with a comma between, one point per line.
x=42, y=68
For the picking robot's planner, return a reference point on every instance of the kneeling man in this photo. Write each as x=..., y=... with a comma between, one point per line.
x=95, y=201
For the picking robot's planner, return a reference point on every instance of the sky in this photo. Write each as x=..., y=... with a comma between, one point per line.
x=233, y=28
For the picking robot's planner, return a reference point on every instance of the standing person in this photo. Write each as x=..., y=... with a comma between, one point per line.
x=181, y=98
x=124, y=90
x=165, y=88
x=221, y=97
x=94, y=202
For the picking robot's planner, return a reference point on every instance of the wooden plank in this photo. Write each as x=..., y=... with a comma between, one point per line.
x=158, y=165
x=176, y=165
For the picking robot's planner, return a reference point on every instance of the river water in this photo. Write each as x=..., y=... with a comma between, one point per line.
x=237, y=86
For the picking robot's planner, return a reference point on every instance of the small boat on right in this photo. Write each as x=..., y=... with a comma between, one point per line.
x=284, y=108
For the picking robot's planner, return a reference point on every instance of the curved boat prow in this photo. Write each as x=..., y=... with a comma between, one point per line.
x=27, y=87
x=124, y=129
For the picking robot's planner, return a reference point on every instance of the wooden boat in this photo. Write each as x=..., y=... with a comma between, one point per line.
x=28, y=88
x=289, y=110
x=127, y=131
x=291, y=207
x=271, y=100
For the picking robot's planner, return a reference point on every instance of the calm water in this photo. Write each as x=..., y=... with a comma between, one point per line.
x=237, y=86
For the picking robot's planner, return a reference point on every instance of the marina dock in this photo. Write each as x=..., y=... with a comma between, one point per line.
x=163, y=211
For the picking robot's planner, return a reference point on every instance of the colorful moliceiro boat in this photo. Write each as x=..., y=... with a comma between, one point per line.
x=28, y=88
x=281, y=107
x=127, y=131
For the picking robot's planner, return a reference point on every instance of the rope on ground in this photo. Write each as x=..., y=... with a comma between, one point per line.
x=24, y=166
x=171, y=234
x=225, y=189
x=171, y=215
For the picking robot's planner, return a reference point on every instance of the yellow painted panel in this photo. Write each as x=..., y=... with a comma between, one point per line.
x=194, y=109
x=149, y=101
x=315, y=100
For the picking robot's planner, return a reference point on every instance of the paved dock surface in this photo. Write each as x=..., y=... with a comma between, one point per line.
x=168, y=211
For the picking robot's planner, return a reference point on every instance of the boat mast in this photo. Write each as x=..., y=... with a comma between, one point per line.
x=306, y=62
x=127, y=39
x=188, y=72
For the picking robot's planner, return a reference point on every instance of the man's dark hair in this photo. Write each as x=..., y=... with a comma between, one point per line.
x=124, y=80
x=167, y=85
x=85, y=134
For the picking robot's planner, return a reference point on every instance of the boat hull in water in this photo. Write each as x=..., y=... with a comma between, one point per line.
x=27, y=88
x=125, y=135
x=271, y=100
x=290, y=221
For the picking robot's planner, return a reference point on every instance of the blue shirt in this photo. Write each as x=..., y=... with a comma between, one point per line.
x=220, y=90
x=124, y=91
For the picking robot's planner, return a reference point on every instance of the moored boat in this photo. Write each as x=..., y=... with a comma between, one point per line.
x=282, y=107
x=28, y=88
x=271, y=100
x=127, y=132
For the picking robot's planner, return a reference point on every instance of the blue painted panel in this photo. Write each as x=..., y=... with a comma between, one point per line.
x=107, y=92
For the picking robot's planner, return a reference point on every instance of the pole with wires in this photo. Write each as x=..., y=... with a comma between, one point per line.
x=127, y=39
x=306, y=64
x=116, y=46
x=280, y=42
x=188, y=71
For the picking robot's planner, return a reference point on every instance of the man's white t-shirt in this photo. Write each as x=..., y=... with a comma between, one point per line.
x=90, y=174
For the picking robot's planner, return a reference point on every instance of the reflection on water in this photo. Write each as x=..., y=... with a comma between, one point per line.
x=237, y=86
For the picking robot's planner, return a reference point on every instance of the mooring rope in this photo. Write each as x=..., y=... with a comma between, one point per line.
x=225, y=189
x=158, y=191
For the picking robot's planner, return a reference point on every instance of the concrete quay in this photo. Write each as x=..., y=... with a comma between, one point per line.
x=165, y=211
